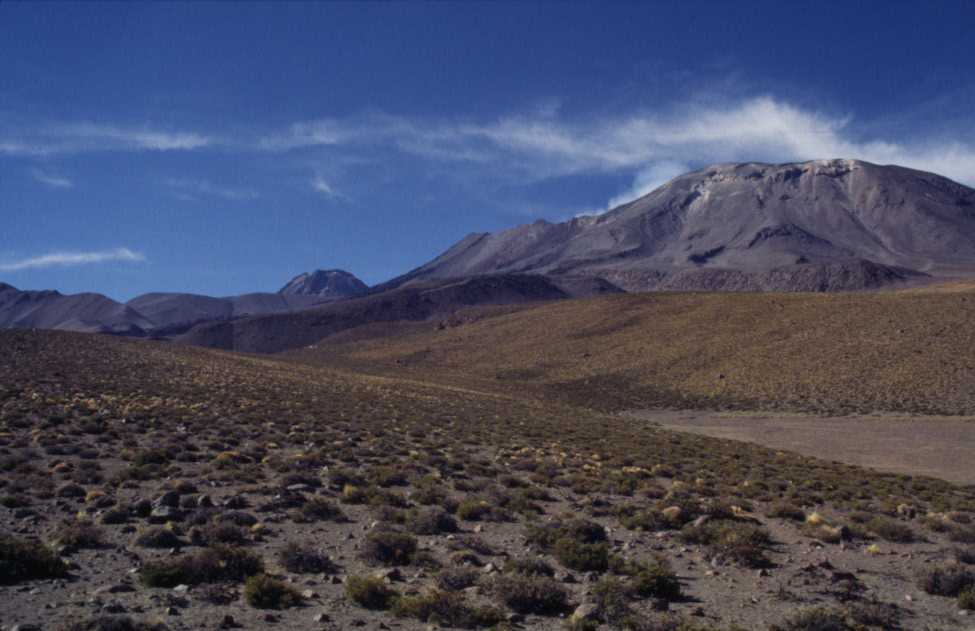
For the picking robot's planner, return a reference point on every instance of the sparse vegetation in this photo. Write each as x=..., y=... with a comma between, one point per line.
x=387, y=547
x=211, y=565
x=949, y=580
x=266, y=592
x=816, y=619
x=370, y=592
x=230, y=458
x=113, y=623
x=449, y=609
x=530, y=594
x=22, y=560
x=305, y=560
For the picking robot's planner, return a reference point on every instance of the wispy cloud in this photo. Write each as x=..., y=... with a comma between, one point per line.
x=52, y=180
x=321, y=186
x=68, y=259
x=649, y=145
x=648, y=179
x=111, y=136
x=190, y=189
x=65, y=138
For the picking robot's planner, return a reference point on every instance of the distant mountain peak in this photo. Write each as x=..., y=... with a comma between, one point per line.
x=760, y=221
x=331, y=283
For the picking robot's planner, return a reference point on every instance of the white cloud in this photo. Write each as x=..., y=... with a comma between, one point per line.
x=52, y=180
x=114, y=137
x=650, y=145
x=649, y=179
x=66, y=259
x=188, y=189
x=26, y=141
x=320, y=185
x=18, y=148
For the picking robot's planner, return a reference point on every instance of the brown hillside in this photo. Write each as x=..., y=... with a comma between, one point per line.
x=911, y=351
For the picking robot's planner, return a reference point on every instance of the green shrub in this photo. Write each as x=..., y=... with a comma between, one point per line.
x=656, y=580
x=303, y=560
x=319, y=509
x=265, y=592
x=387, y=547
x=158, y=537
x=112, y=623
x=79, y=534
x=449, y=609
x=530, y=594
x=949, y=580
x=583, y=557
x=474, y=509
x=430, y=521
x=890, y=530
x=369, y=592
x=873, y=613
x=529, y=567
x=27, y=561
x=817, y=619
x=740, y=542
x=966, y=599
x=579, y=530
x=218, y=533
x=786, y=510
x=611, y=598
x=454, y=579
x=219, y=564
x=648, y=520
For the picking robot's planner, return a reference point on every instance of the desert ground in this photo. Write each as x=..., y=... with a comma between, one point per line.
x=379, y=481
x=938, y=447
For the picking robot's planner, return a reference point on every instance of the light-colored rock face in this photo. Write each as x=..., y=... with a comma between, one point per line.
x=326, y=283
x=750, y=218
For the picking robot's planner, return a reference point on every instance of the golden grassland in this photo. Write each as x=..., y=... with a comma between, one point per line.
x=909, y=351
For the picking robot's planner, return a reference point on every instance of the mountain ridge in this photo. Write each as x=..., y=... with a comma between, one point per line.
x=752, y=218
x=154, y=314
x=332, y=283
x=817, y=226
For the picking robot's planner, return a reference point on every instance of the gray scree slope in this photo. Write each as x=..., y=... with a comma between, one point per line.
x=813, y=226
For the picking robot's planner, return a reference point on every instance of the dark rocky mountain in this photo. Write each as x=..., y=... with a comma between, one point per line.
x=165, y=315
x=825, y=225
x=175, y=312
x=333, y=283
x=91, y=313
x=417, y=301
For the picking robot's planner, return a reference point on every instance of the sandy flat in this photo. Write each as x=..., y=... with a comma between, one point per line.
x=941, y=447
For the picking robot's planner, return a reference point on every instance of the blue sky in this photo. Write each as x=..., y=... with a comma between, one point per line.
x=223, y=148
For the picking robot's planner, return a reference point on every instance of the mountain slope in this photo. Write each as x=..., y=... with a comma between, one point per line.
x=333, y=283
x=847, y=223
x=174, y=311
x=419, y=301
x=91, y=313
x=855, y=352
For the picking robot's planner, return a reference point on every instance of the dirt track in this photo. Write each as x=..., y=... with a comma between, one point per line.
x=940, y=447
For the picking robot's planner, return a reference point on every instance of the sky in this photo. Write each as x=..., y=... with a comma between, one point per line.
x=224, y=148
